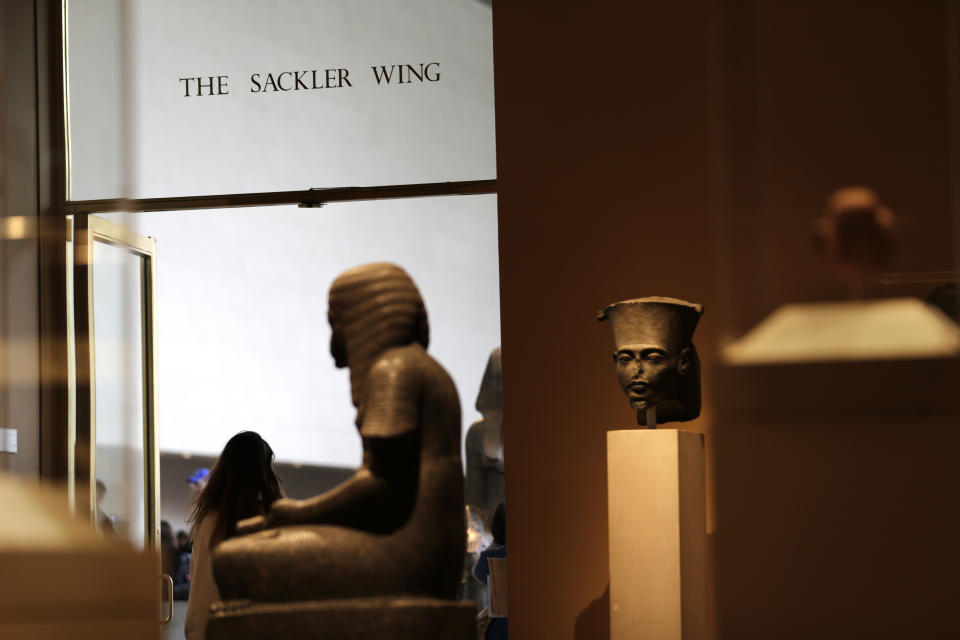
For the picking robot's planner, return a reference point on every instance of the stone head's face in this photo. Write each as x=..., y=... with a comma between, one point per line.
x=649, y=373
x=655, y=359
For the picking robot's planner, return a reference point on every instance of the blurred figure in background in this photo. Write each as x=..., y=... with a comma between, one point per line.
x=174, y=562
x=478, y=539
x=175, y=556
x=183, y=541
x=104, y=522
x=168, y=551
x=497, y=627
x=198, y=480
x=241, y=485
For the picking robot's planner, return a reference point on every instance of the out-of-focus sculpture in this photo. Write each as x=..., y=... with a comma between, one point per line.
x=813, y=406
x=657, y=364
x=944, y=298
x=44, y=547
x=856, y=235
x=485, y=487
x=396, y=528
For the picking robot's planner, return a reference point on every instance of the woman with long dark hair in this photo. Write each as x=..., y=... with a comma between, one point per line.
x=241, y=485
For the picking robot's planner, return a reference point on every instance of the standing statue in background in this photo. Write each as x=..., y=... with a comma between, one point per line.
x=484, y=447
x=656, y=361
x=396, y=528
x=484, y=483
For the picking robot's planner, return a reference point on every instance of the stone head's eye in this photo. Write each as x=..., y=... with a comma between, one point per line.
x=654, y=357
x=624, y=358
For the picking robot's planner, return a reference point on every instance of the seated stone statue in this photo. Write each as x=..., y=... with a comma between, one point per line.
x=396, y=527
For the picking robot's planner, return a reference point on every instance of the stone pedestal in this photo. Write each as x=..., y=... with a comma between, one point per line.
x=397, y=618
x=658, y=548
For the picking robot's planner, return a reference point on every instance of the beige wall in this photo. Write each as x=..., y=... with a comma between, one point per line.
x=603, y=142
x=681, y=150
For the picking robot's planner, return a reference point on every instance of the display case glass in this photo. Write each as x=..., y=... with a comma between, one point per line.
x=799, y=127
x=835, y=392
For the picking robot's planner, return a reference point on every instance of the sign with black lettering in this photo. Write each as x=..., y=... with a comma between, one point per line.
x=310, y=79
x=238, y=96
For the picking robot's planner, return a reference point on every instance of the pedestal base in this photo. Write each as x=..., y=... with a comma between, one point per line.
x=355, y=619
x=658, y=534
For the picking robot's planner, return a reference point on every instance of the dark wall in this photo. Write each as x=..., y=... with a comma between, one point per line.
x=825, y=94
x=680, y=149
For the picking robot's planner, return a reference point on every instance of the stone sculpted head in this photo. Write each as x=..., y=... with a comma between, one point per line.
x=371, y=308
x=856, y=233
x=656, y=361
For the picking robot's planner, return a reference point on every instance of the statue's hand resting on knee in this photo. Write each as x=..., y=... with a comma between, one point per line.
x=283, y=512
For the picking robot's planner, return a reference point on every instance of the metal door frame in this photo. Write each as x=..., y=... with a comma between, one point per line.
x=89, y=229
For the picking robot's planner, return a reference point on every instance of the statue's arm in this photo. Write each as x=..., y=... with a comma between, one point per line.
x=378, y=497
x=373, y=499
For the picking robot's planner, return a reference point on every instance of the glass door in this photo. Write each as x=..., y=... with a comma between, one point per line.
x=116, y=455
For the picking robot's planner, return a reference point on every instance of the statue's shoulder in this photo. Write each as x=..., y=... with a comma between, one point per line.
x=411, y=367
x=400, y=361
x=406, y=365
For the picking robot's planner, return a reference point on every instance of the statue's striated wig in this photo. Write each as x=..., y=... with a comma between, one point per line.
x=376, y=306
